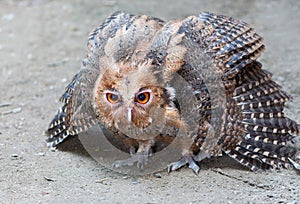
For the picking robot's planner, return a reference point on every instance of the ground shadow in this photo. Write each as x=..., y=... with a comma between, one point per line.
x=74, y=145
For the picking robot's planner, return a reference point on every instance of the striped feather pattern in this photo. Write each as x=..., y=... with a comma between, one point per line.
x=77, y=114
x=266, y=129
x=256, y=131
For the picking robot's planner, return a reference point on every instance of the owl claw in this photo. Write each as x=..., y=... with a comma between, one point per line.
x=187, y=159
x=140, y=160
x=295, y=164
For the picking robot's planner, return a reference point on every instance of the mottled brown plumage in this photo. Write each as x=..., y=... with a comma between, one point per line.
x=127, y=84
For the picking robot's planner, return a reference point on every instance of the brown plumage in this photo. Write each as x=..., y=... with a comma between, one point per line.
x=129, y=84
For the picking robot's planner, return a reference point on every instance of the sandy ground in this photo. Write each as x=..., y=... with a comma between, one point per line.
x=41, y=46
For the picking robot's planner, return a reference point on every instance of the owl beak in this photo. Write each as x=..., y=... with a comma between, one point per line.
x=129, y=114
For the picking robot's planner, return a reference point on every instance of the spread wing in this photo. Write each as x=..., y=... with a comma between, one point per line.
x=77, y=114
x=255, y=130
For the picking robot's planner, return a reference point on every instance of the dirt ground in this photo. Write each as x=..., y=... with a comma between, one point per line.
x=42, y=43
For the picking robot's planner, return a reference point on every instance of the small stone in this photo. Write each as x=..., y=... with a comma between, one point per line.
x=40, y=154
x=16, y=110
x=102, y=181
x=14, y=155
x=134, y=181
x=64, y=80
x=157, y=175
x=49, y=179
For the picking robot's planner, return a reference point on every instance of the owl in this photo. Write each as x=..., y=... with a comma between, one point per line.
x=196, y=79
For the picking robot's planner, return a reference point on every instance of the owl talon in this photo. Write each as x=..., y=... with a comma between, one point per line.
x=140, y=160
x=188, y=159
x=295, y=164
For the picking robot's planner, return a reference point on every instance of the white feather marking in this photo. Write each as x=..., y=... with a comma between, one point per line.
x=129, y=114
x=172, y=92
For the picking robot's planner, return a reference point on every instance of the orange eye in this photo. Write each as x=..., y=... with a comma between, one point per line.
x=112, y=98
x=143, y=97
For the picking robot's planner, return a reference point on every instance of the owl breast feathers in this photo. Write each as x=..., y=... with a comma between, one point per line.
x=145, y=80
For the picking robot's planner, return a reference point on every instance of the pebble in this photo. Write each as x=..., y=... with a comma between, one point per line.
x=49, y=179
x=40, y=154
x=16, y=110
x=4, y=104
x=134, y=181
x=64, y=80
x=157, y=175
x=14, y=157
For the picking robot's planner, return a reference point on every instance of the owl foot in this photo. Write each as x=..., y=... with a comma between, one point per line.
x=140, y=159
x=186, y=159
x=295, y=164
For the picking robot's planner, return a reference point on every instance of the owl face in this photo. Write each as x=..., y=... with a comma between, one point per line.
x=130, y=94
x=132, y=101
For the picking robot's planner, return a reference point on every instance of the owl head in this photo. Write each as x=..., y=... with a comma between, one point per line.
x=132, y=93
x=131, y=99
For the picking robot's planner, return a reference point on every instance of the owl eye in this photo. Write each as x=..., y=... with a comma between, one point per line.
x=143, y=98
x=112, y=98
